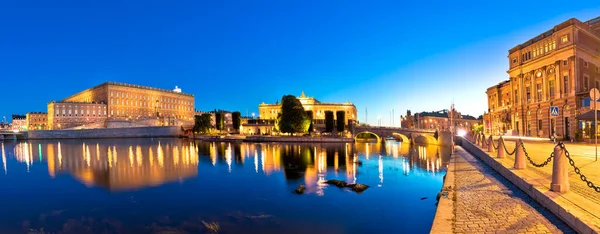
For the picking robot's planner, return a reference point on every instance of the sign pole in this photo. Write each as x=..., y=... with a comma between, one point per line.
x=594, y=94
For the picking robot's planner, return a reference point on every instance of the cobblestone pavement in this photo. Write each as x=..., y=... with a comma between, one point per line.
x=488, y=203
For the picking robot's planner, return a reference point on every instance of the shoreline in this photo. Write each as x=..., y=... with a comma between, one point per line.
x=299, y=139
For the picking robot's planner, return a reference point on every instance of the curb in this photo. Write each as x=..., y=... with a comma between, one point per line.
x=443, y=222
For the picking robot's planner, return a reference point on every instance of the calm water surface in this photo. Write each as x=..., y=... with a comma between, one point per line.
x=174, y=185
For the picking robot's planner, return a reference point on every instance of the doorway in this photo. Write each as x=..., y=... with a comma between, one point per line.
x=567, y=136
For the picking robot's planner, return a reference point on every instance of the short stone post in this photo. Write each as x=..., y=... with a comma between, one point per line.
x=520, y=162
x=560, y=171
x=490, y=147
x=500, y=148
x=482, y=140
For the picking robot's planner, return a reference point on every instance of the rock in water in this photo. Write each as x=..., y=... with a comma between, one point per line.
x=338, y=183
x=300, y=190
x=423, y=198
x=358, y=188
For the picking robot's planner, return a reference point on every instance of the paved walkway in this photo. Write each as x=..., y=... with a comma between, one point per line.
x=488, y=203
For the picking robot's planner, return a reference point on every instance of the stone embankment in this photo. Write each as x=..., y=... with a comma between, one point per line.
x=297, y=139
x=140, y=132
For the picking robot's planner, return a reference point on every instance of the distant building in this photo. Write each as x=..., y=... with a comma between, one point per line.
x=19, y=123
x=440, y=120
x=314, y=107
x=228, y=121
x=125, y=105
x=37, y=120
x=556, y=68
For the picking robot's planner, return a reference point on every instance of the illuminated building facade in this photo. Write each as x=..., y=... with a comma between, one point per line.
x=556, y=68
x=36, y=120
x=19, y=123
x=313, y=106
x=135, y=104
x=64, y=115
x=440, y=120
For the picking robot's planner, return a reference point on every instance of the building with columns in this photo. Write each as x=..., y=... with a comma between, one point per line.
x=314, y=107
x=556, y=68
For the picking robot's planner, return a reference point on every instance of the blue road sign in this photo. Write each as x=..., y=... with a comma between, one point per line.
x=554, y=111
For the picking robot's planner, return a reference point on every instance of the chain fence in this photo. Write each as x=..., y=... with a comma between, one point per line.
x=577, y=170
x=494, y=146
x=532, y=162
x=506, y=150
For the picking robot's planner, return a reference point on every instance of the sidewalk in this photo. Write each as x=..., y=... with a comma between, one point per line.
x=484, y=201
x=579, y=207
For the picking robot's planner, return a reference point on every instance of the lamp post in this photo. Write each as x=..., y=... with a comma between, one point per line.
x=379, y=120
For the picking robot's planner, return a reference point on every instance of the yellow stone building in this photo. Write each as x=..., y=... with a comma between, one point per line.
x=37, y=120
x=128, y=104
x=311, y=105
x=556, y=68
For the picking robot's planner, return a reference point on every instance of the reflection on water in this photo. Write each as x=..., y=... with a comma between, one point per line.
x=224, y=177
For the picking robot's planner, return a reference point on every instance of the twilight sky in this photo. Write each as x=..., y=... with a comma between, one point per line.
x=233, y=55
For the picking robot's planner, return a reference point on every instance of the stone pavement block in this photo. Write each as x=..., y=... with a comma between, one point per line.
x=488, y=202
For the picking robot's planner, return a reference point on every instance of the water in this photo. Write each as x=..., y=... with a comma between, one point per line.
x=176, y=186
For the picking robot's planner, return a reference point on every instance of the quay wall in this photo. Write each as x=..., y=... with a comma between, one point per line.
x=298, y=139
x=139, y=132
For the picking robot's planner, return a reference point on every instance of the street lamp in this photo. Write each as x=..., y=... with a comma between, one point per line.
x=379, y=120
x=253, y=115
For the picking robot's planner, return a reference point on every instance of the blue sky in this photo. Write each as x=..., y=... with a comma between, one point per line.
x=380, y=55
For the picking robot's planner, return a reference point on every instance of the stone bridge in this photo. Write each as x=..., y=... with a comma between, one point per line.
x=5, y=135
x=421, y=136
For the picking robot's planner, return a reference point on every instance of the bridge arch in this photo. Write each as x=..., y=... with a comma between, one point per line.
x=367, y=132
x=402, y=137
x=425, y=139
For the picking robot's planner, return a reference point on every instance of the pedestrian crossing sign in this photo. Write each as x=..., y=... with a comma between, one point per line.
x=554, y=111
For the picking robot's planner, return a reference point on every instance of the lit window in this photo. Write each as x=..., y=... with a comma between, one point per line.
x=553, y=45
x=539, y=92
x=564, y=39
x=551, y=87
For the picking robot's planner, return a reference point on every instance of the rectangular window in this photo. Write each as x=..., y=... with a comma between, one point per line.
x=69, y=112
x=539, y=92
x=597, y=69
x=551, y=87
x=565, y=62
x=528, y=92
x=585, y=64
x=553, y=45
x=540, y=125
x=586, y=81
x=564, y=39
x=566, y=84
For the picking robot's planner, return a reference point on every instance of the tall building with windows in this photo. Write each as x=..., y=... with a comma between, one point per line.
x=314, y=107
x=125, y=103
x=556, y=68
x=36, y=120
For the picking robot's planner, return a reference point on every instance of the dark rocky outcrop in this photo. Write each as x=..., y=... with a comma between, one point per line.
x=338, y=183
x=358, y=188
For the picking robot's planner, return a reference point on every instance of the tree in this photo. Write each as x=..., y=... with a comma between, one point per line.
x=310, y=127
x=341, y=117
x=237, y=120
x=219, y=121
x=293, y=117
x=202, y=123
x=328, y=121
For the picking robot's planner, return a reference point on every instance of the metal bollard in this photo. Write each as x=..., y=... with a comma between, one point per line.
x=490, y=147
x=560, y=172
x=500, y=148
x=520, y=162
